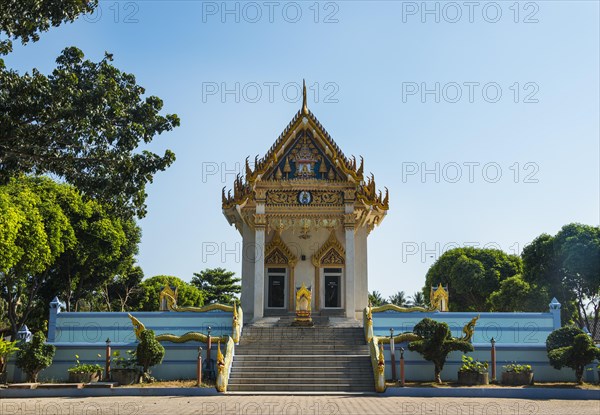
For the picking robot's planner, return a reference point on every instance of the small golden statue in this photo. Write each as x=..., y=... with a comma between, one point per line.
x=303, y=307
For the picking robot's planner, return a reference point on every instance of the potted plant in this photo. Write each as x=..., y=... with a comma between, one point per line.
x=6, y=349
x=473, y=372
x=516, y=374
x=126, y=372
x=85, y=372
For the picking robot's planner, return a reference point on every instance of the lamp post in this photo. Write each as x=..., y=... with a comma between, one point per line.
x=393, y=354
x=107, y=364
x=493, y=341
x=402, y=380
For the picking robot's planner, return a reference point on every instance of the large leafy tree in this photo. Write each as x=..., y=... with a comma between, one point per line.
x=218, y=285
x=516, y=294
x=187, y=294
x=34, y=232
x=105, y=248
x=123, y=290
x=472, y=275
x=85, y=122
x=567, y=266
x=26, y=19
x=436, y=343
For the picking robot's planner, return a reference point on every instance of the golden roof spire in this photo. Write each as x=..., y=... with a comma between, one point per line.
x=304, y=106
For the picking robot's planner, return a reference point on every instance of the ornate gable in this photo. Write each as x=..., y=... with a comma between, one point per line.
x=307, y=177
x=331, y=253
x=278, y=253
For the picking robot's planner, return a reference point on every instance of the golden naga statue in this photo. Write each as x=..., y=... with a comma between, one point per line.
x=469, y=329
x=303, y=307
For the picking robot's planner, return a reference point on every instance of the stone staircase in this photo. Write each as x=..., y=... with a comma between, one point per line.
x=276, y=357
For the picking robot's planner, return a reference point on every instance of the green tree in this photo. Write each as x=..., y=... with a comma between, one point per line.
x=25, y=20
x=218, y=285
x=106, y=246
x=84, y=123
x=35, y=356
x=437, y=342
x=35, y=232
x=418, y=299
x=571, y=347
x=472, y=275
x=398, y=299
x=567, y=266
x=376, y=299
x=123, y=289
x=516, y=294
x=149, y=352
x=187, y=294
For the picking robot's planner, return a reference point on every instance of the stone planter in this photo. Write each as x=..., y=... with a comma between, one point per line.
x=516, y=379
x=82, y=377
x=125, y=376
x=473, y=378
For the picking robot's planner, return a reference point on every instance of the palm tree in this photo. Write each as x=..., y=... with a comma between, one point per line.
x=418, y=299
x=399, y=299
x=376, y=299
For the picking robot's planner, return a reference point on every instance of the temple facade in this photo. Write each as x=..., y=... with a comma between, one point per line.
x=305, y=212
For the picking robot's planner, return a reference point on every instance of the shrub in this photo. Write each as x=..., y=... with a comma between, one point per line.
x=84, y=367
x=571, y=347
x=517, y=368
x=35, y=356
x=149, y=352
x=472, y=365
x=436, y=343
x=129, y=362
x=6, y=349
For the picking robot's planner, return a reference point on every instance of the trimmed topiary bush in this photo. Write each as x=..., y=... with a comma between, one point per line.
x=35, y=356
x=571, y=347
x=149, y=352
x=437, y=342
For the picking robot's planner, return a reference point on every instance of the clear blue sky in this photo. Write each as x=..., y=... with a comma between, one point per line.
x=371, y=55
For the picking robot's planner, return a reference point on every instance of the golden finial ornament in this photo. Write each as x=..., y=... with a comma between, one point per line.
x=304, y=106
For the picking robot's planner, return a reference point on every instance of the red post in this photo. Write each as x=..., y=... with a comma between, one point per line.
x=199, y=367
x=493, y=341
x=393, y=355
x=402, y=380
x=107, y=363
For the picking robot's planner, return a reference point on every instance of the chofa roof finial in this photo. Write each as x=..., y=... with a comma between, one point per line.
x=304, y=106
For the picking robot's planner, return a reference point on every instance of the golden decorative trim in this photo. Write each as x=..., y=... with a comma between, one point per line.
x=278, y=253
x=260, y=220
x=439, y=298
x=331, y=244
x=469, y=329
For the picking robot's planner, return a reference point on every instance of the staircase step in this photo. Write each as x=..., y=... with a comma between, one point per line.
x=278, y=387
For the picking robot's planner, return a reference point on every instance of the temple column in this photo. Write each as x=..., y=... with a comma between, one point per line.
x=260, y=222
x=350, y=266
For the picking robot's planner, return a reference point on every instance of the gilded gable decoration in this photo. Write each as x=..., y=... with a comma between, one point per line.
x=332, y=252
x=278, y=253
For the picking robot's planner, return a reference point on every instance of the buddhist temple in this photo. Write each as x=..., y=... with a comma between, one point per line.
x=304, y=211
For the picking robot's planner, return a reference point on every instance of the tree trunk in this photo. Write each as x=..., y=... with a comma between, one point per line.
x=438, y=371
x=579, y=374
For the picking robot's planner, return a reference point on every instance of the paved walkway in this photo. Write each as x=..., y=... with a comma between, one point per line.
x=296, y=405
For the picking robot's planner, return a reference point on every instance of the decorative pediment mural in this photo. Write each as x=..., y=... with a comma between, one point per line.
x=278, y=253
x=331, y=253
x=305, y=159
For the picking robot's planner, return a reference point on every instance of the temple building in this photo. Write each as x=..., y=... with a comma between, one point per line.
x=304, y=211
